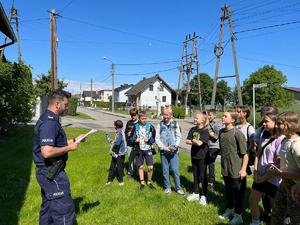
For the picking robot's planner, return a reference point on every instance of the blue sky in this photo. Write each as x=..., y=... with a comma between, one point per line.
x=138, y=32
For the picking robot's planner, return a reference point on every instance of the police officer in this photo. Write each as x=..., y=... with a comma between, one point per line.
x=50, y=149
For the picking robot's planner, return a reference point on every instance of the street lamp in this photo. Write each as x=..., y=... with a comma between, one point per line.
x=253, y=89
x=113, y=83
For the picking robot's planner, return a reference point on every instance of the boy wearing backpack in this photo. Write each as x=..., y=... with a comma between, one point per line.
x=168, y=137
x=144, y=138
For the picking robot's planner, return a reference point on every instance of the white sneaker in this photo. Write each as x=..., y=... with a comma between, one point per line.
x=236, y=220
x=180, y=192
x=193, y=197
x=203, y=200
x=168, y=191
x=287, y=221
x=108, y=183
x=121, y=183
x=227, y=213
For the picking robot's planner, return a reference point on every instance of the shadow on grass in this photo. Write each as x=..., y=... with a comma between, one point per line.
x=85, y=207
x=15, y=171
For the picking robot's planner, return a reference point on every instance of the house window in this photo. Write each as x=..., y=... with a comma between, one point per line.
x=151, y=87
x=161, y=88
x=164, y=98
x=155, y=97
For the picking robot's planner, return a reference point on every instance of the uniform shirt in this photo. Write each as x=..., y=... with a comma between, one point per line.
x=290, y=155
x=233, y=146
x=48, y=131
x=199, y=152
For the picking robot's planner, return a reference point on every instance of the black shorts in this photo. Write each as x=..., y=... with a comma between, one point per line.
x=266, y=187
x=147, y=155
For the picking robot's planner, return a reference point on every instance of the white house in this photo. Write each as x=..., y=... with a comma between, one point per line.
x=104, y=95
x=120, y=93
x=150, y=93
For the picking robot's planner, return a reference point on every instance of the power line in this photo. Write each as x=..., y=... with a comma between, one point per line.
x=66, y=6
x=139, y=74
x=266, y=12
x=119, y=31
x=265, y=61
x=142, y=64
x=266, y=27
x=34, y=20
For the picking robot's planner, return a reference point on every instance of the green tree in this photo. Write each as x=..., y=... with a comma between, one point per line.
x=206, y=84
x=223, y=94
x=43, y=84
x=16, y=94
x=273, y=94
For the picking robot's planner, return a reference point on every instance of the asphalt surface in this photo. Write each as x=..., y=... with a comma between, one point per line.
x=103, y=120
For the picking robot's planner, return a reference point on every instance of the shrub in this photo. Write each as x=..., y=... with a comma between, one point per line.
x=178, y=112
x=16, y=94
x=73, y=106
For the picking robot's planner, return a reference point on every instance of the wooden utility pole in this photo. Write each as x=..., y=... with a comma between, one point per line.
x=53, y=49
x=218, y=51
x=188, y=65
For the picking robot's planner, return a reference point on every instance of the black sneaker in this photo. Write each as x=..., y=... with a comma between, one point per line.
x=151, y=186
x=142, y=187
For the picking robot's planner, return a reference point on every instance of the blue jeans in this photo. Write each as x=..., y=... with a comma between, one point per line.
x=172, y=160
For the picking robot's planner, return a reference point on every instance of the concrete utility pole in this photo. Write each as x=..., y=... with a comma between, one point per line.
x=226, y=15
x=53, y=49
x=113, y=87
x=14, y=19
x=189, y=64
x=91, y=92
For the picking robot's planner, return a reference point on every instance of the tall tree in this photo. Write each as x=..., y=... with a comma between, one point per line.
x=223, y=94
x=43, y=84
x=206, y=84
x=273, y=94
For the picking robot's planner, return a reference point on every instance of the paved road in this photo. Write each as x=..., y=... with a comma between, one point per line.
x=104, y=122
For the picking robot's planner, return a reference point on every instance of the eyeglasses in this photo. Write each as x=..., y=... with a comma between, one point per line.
x=238, y=111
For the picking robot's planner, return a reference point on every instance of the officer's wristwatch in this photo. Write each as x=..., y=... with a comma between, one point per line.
x=74, y=140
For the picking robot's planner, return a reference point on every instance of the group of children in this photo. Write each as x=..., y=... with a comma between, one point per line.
x=272, y=155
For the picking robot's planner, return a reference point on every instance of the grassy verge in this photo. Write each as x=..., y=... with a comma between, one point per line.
x=96, y=203
x=80, y=115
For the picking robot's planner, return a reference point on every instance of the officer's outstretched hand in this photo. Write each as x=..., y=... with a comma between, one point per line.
x=73, y=146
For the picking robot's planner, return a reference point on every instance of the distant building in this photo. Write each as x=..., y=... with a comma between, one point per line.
x=120, y=93
x=104, y=95
x=150, y=93
x=90, y=96
x=296, y=92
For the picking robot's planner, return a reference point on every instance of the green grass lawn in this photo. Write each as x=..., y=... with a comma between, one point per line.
x=96, y=203
x=81, y=115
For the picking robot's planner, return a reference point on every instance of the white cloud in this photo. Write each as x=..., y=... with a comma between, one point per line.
x=74, y=86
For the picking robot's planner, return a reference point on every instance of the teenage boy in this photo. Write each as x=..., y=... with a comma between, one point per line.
x=214, y=127
x=144, y=138
x=130, y=145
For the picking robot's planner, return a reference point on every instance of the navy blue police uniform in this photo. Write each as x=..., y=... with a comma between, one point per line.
x=57, y=204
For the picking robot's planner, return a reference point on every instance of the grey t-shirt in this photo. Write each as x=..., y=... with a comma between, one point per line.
x=215, y=126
